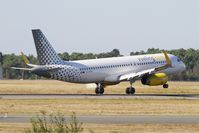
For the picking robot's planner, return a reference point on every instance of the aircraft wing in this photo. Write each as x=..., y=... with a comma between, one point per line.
x=135, y=76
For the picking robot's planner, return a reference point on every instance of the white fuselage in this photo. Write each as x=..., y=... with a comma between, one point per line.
x=109, y=69
x=100, y=71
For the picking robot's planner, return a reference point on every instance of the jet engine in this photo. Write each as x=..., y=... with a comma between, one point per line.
x=155, y=79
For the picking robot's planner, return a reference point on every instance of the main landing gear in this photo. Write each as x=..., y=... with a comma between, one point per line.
x=130, y=90
x=99, y=90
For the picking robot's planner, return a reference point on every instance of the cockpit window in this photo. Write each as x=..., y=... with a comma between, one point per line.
x=178, y=59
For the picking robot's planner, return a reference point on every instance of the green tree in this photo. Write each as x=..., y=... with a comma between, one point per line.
x=191, y=58
x=64, y=56
x=1, y=58
x=153, y=51
x=76, y=56
x=113, y=53
x=11, y=60
x=89, y=56
x=137, y=53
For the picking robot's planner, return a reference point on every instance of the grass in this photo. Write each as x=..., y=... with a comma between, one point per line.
x=101, y=106
x=58, y=87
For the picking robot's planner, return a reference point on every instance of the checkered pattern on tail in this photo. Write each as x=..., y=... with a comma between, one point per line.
x=45, y=52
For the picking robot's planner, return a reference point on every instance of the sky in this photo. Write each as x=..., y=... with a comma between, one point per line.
x=99, y=25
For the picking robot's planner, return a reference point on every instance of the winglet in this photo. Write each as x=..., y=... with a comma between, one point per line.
x=166, y=57
x=25, y=59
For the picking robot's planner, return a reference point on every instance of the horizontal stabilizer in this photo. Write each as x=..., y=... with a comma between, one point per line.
x=26, y=61
x=19, y=68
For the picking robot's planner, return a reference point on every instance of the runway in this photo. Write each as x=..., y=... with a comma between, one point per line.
x=117, y=119
x=94, y=96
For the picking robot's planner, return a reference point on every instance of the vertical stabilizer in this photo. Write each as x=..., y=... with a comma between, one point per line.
x=45, y=52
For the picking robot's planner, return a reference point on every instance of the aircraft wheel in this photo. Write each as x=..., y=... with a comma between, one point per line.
x=165, y=86
x=99, y=90
x=130, y=90
x=127, y=90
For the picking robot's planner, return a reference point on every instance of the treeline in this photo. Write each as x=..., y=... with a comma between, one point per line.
x=11, y=60
x=190, y=57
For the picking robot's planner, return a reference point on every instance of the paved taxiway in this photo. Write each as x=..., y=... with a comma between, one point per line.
x=93, y=96
x=117, y=119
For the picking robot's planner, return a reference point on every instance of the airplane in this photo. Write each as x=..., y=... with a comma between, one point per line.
x=151, y=69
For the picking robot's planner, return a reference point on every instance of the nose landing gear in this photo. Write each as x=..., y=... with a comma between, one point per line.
x=165, y=86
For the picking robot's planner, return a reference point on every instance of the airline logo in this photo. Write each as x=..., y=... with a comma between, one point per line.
x=151, y=58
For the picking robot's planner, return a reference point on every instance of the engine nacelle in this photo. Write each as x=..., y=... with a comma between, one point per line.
x=155, y=79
